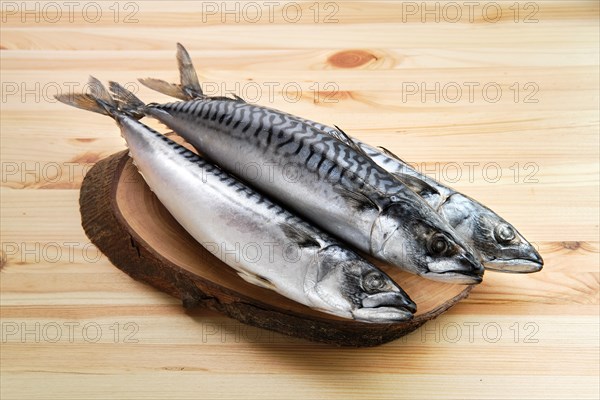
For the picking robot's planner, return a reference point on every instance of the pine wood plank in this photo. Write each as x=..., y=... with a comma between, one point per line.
x=203, y=354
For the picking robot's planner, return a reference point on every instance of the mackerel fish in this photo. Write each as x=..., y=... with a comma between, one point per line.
x=287, y=254
x=499, y=246
x=315, y=175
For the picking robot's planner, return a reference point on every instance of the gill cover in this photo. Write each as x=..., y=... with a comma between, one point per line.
x=387, y=227
x=325, y=283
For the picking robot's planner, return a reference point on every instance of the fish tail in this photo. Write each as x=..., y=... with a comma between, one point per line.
x=98, y=100
x=188, y=87
x=127, y=101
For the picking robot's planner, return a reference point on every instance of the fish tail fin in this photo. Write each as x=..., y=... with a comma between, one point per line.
x=187, y=73
x=170, y=89
x=98, y=100
x=127, y=101
x=188, y=88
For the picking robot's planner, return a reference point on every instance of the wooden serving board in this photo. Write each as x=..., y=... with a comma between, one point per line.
x=123, y=217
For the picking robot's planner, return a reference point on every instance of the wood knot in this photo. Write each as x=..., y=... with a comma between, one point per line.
x=85, y=140
x=351, y=59
x=573, y=245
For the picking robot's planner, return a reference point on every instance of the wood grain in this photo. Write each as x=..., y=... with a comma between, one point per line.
x=149, y=347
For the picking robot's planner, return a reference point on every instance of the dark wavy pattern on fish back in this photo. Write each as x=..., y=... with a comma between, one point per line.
x=265, y=128
x=212, y=170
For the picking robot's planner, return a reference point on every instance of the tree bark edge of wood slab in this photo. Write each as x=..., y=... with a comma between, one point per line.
x=210, y=283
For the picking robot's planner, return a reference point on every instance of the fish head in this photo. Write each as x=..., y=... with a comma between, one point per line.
x=500, y=246
x=415, y=238
x=348, y=285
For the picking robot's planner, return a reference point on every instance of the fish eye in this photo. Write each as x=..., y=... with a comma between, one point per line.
x=439, y=244
x=504, y=233
x=373, y=281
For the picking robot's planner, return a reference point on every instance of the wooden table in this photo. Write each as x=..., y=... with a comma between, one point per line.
x=503, y=107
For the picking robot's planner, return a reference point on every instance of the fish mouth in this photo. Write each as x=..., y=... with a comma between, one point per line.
x=515, y=265
x=390, y=299
x=467, y=271
x=526, y=262
x=387, y=307
x=458, y=277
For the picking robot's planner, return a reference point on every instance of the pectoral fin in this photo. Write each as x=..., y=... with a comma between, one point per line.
x=357, y=200
x=299, y=236
x=257, y=280
x=343, y=137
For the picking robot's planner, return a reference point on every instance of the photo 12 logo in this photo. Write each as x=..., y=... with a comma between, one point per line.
x=253, y=12
x=473, y=171
x=69, y=332
x=470, y=11
x=27, y=174
x=37, y=92
x=454, y=92
x=49, y=252
x=475, y=332
x=53, y=12
x=270, y=92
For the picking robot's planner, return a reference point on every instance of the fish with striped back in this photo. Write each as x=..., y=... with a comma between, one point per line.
x=499, y=246
x=215, y=207
x=334, y=186
x=497, y=243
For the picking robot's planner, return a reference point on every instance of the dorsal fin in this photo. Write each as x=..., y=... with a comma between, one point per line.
x=343, y=137
x=415, y=184
x=391, y=155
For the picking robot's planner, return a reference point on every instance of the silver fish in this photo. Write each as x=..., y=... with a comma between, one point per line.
x=499, y=245
x=333, y=185
x=266, y=244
